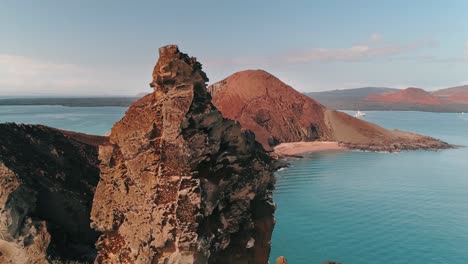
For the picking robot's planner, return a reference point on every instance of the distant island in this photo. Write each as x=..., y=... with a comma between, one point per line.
x=450, y=100
x=72, y=101
x=454, y=99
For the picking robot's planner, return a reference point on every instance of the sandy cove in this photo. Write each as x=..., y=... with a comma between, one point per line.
x=299, y=148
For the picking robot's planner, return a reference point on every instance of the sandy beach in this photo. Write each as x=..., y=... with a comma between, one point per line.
x=298, y=148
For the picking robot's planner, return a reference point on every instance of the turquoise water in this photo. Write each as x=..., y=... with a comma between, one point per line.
x=358, y=208
x=91, y=120
x=353, y=207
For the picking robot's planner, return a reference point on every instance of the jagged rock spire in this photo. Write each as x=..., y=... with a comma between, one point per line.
x=179, y=183
x=176, y=68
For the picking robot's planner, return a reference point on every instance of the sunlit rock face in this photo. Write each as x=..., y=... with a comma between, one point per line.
x=180, y=183
x=47, y=183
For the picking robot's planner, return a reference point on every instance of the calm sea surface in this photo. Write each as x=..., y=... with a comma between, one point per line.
x=352, y=207
x=91, y=120
x=359, y=208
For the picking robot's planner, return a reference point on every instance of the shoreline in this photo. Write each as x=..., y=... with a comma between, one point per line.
x=296, y=149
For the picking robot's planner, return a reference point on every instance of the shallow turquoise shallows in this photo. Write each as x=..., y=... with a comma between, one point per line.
x=359, y=207
x=352, y=207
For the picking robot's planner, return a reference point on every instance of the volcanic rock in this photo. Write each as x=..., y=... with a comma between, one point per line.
x=281, y=260
x=179, y=183
x=274, y=111
x=277, y=113
x=47, y=182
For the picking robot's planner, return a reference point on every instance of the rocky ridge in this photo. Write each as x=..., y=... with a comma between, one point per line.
x=180, y=183
x=47, y=183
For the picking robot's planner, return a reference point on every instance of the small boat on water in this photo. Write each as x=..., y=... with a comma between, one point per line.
x=359, y=114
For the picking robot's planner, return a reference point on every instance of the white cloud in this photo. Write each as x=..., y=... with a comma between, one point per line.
x=373, y=47
x=19, y=71
x=355, y=52
x=26, y=76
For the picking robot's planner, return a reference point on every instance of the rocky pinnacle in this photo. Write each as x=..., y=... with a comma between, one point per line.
x=180, y=183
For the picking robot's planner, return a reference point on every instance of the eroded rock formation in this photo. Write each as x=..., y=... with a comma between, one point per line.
x=47, y=182
x=179, y=183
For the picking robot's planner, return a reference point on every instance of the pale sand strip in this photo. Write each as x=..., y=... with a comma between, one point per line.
x=298, y=148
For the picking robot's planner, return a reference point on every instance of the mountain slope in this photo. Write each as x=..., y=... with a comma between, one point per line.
x=251, y=96
x=453, y=99
x=277, y=113
x=454, y=95
x=350, y=94
x=407, y=96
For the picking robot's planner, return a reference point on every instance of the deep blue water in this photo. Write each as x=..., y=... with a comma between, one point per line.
x=91, y=120
x=360, y=207
x=352, y=207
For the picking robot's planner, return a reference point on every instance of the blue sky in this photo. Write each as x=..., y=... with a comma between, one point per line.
x=110, y=47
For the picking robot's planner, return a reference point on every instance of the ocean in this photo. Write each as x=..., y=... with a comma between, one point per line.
x=90, y=120
x=351, y=207
x=363, y=207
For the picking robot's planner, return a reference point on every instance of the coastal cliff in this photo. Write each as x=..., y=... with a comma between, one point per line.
x=180, y=183
x=277, y=113
x=47, y=183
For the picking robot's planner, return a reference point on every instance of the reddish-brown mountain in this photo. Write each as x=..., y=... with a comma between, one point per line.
x=271, y=109
x=277, y=113
x=454, y=95
x=407, y=96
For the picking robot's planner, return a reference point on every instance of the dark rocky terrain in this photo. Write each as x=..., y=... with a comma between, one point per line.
x=180, y=183
x=47, y=183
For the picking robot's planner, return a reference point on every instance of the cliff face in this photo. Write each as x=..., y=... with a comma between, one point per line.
x=277, y=113
x=47, y=182
x=179, y=183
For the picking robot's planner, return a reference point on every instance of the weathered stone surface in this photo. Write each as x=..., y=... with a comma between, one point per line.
x=281, y=260
x=179, y=183
x=47, y=182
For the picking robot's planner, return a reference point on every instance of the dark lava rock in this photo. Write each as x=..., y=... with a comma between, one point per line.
x=47, y=183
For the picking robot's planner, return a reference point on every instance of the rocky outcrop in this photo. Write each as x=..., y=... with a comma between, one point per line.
x=277, y=113
x=47, y=182
x=179, y=183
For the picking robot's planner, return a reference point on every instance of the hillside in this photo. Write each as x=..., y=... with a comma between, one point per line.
x=407, y=96
x=370, y=98
x=277, y=113
x=454, y=95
